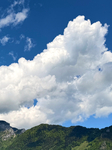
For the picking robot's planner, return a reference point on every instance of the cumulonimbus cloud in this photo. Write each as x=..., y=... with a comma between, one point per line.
x=70, y=79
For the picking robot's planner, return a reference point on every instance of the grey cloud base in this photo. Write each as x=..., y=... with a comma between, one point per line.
x=71, y=79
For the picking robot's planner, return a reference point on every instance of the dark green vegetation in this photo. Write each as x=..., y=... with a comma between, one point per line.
x=55, y=137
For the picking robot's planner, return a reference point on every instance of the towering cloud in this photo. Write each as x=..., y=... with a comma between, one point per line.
x=70, y=79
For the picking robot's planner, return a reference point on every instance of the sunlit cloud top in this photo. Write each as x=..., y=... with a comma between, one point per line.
x=70, y=79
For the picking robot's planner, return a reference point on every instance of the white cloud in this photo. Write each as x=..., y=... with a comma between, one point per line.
x=4, y=40
x=29, y=44
x=22, y=36
x=12, y=54
x=18, y=2
x=13, y=18
x=20, y=16
x=65, y=79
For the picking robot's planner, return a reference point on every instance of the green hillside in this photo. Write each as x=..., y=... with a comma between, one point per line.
x=55, y=137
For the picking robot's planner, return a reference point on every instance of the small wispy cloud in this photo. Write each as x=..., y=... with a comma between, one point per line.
x=19, y=2
x=29, y=44
x=17, y=42
x=4, y=40
x=22, y=36
x=13, y=56
x=20, y=17
x=12, y=17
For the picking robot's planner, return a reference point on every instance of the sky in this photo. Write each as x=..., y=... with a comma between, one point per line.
x=56, y=62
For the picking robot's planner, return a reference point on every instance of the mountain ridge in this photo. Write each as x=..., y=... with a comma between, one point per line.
x=8, y=133
x=57, y=137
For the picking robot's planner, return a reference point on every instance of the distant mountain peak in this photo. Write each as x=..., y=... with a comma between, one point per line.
x=4, y=122
x=4, y=125
x=8, y=131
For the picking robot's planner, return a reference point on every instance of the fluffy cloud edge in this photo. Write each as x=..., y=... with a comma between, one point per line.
x=70, y=79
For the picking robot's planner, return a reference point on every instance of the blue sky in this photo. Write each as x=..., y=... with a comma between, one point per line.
x=66, y=78
x=49, y=19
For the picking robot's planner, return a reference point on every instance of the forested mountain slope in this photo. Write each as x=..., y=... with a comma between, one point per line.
x=55, y=137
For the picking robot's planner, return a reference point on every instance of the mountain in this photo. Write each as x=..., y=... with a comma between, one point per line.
x=56, y=137
x=7, y=134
